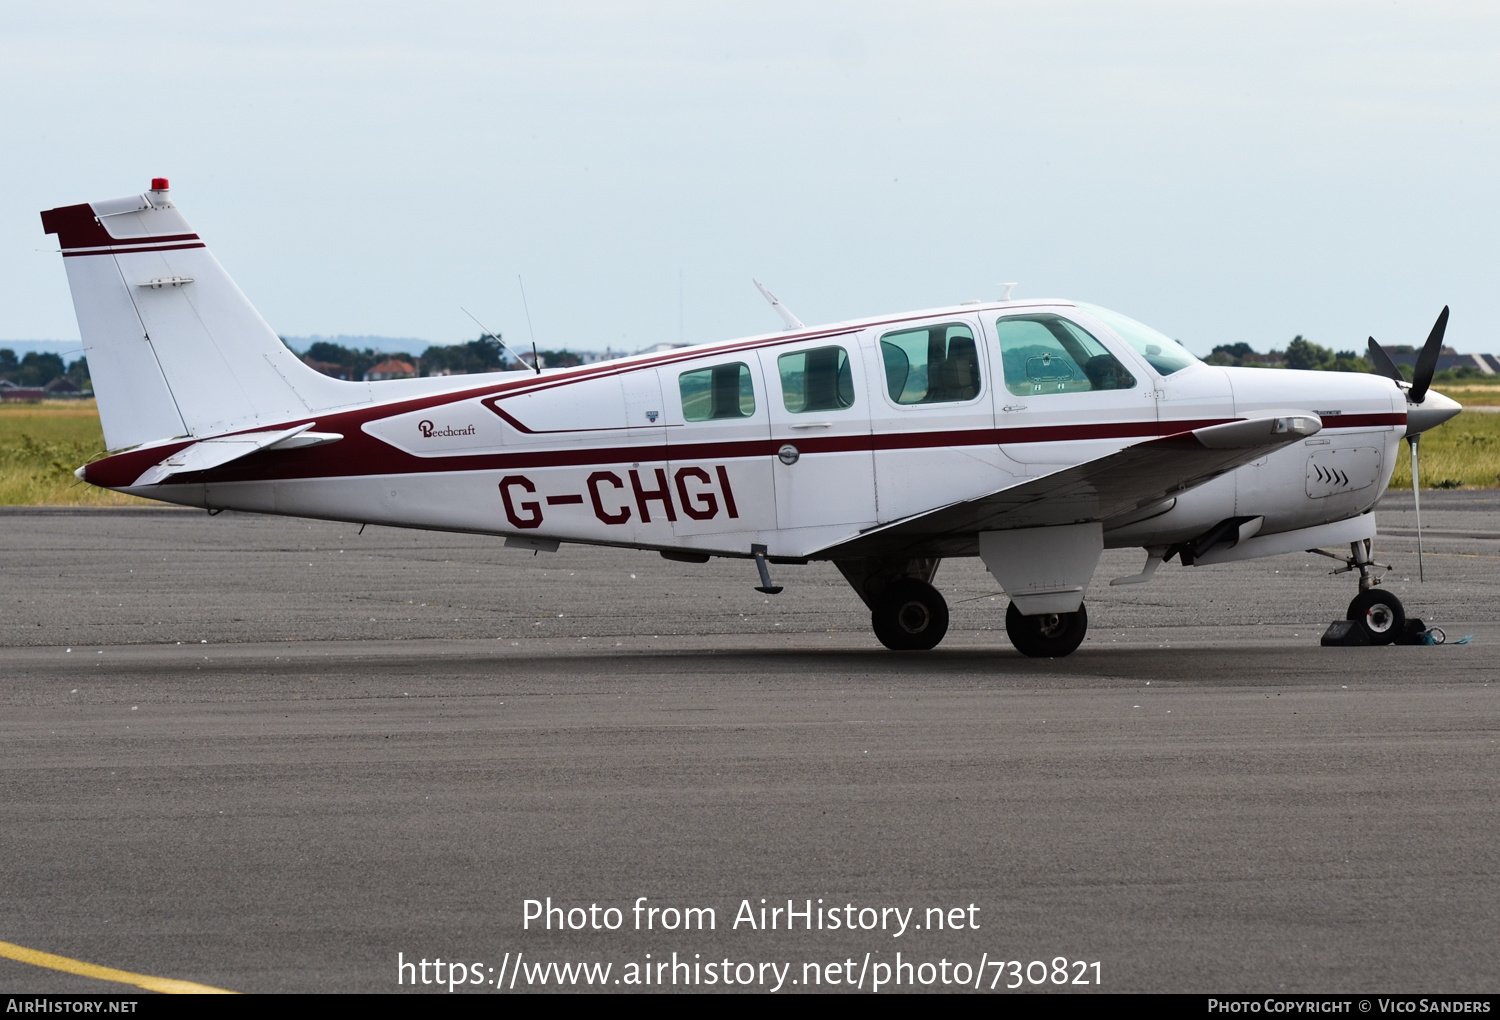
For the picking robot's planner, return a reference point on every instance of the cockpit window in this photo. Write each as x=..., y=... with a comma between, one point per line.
x=1045, y=353
x=1160, y=351
x=932, y=365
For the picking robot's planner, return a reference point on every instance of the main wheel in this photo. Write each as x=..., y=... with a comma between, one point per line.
x=1046, y=635
x=910, y=616
x=1380, y=614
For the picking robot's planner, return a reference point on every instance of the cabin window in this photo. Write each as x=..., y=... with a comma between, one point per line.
x=816, y=380
x=1044, y=354
x=932, y=365
x=712, y=394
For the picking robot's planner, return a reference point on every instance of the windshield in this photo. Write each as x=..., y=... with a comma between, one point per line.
x=1160, y=351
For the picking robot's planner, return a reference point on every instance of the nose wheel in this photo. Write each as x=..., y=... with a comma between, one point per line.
x=1376, y=616
x=910, y=616
x=1379, y=614
x=1046, y=635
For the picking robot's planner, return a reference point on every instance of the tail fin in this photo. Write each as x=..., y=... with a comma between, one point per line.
x=174, y=348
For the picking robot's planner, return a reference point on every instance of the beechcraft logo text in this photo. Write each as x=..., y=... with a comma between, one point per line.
x=429, y=431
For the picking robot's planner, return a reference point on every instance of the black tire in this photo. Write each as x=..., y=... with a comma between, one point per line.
x=1046, y=635
x=910, y=616
x=1379, y=614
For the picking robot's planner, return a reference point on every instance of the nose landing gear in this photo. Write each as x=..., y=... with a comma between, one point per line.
x=1378, y=613
x=1375, y=617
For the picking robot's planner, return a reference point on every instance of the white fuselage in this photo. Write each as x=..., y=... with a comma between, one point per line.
x=610, y=454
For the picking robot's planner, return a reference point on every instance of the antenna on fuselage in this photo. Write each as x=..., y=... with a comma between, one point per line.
x=1005, y=289
x=792, y=322
x=536, y=359
x=489, y=332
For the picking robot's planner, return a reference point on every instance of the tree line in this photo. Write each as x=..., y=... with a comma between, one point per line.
x=1303, y=354
x=40, y=369
x=484, y=354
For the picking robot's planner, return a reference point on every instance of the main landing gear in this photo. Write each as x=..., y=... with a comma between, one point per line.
x=906, y=612
x=909, y=615
x=1046, y=635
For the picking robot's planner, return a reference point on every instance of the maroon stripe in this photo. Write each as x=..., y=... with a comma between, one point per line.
x=532, y=383
x=537, y=384
x=131, y=251
x=515, y=423
x=741, y=448
x=77, y=226
x=116, y=242
x=1362, y=421
x=360, y=454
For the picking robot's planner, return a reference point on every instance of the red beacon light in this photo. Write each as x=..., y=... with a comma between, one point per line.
x=158, y=184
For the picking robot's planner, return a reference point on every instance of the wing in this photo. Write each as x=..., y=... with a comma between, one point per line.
x=1098, y=490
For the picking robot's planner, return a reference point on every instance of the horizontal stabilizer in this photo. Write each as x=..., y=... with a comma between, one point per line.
x=1098, y=490
x=212, y=453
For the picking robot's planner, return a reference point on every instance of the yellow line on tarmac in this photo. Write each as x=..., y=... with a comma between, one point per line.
x=92, y=970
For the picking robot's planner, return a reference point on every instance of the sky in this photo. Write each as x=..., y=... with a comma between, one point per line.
x=1223, y=171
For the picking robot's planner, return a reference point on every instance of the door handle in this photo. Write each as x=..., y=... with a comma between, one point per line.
x=812, y=425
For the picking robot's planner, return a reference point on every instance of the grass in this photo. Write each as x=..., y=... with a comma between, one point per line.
x=1472, y=394
x=1463, y=452
x=41, y=444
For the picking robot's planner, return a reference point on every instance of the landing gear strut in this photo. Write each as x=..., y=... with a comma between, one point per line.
x=1046, y=635
x=909, y=616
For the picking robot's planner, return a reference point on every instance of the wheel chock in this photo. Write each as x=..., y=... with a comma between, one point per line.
x=1413, y=634
x=1345, y=634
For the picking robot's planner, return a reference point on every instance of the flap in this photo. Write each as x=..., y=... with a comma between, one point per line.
x=1098, y=490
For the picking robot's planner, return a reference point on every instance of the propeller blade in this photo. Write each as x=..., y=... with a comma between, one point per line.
x=1383, y=363
x=1416, y=500
x=1427, y=360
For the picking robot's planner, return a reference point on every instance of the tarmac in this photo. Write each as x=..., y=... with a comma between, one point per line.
x=267, y=754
